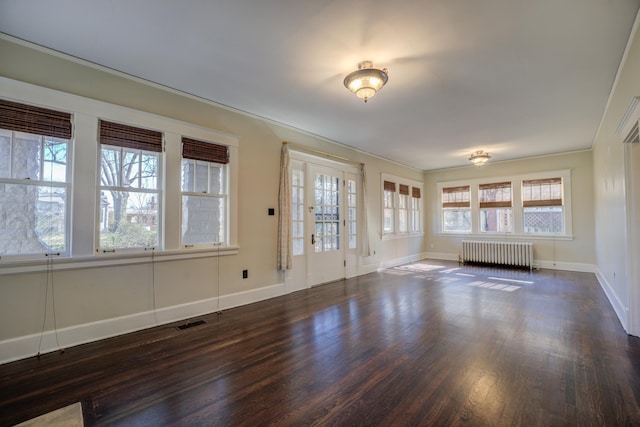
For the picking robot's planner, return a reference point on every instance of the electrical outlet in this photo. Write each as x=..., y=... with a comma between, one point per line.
x=245, y=274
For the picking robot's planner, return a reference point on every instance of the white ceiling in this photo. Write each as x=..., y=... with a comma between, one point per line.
x=516, y=78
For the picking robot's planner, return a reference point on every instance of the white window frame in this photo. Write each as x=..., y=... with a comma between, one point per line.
x=481, y=210
x=224, y=196
x=517, y=208
x=85, y=195
x=157, y=192
x=67, y=185
x=411, y=227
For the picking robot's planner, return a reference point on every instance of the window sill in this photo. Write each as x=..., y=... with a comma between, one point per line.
x=517, y=237
x=8, y=266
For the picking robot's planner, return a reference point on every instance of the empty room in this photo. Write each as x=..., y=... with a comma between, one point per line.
x=243, y=213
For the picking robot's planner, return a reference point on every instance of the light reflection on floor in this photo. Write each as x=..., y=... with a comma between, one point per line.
x=442, y=274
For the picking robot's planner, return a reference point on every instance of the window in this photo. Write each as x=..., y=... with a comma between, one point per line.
x=129, y=187
x=496, y=214
x=35, y=182
x=327, y=213
x=352, y=214
x=297, y=211
x=415, y=210
x=542, y=204
x=538, y=205
x=388, y=195
x=403, y=208
x=456, y=209
x=204, y=192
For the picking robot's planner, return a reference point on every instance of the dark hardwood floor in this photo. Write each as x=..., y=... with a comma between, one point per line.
x=427, y=344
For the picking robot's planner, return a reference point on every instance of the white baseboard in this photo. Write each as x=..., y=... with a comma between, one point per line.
x=399, y=261
x=566, y=266
x=27, y=346
x=621, y=310
x=441, y=256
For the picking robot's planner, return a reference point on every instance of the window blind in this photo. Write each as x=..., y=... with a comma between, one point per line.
x=130, y=137
x=404, y=189
x=495, y=195
x=205, y=151
x=36, y=120
x=456, y=197
x=390, y=186
x=542, y=192
x=415, y=192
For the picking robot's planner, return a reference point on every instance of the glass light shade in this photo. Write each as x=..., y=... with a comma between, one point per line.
x=479, y=158
x=366, y=81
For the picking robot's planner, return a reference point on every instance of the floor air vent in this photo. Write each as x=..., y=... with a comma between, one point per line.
x=191, y=324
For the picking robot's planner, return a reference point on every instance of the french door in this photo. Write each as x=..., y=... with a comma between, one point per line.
x=325, y=216
x=326, y=259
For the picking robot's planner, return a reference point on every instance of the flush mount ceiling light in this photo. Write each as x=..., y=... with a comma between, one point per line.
x=366, y=80
x=479, y=158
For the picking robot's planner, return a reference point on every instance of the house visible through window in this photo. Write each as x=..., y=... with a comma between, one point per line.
x=129, y=187
x=204, y=192
x=35, y=182
x=496, y=213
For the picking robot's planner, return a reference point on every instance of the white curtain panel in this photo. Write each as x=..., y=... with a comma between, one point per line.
x=285, y=242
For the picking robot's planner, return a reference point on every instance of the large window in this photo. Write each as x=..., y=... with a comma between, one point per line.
x=204, y=192
x=80, y=177
x=456, y=209
x=416, y=218
x=388, y=210
x=496, y=214
x=130, y=194
x=533, y=204
x=401, y=207
x=35, y=181
x=542, y=206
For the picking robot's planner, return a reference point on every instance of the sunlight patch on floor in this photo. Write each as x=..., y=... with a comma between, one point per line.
x=526, y=282
x=494, y=286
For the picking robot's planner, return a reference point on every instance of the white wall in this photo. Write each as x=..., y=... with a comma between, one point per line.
x=96, y=301
x=612, y=225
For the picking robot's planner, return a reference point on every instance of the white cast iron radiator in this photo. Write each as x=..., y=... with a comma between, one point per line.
x=491, y=252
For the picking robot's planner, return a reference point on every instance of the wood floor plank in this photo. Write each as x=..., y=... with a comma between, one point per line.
x=429, y=343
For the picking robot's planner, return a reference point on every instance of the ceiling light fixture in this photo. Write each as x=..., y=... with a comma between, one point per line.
x=366, y=80
x=479, y=158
